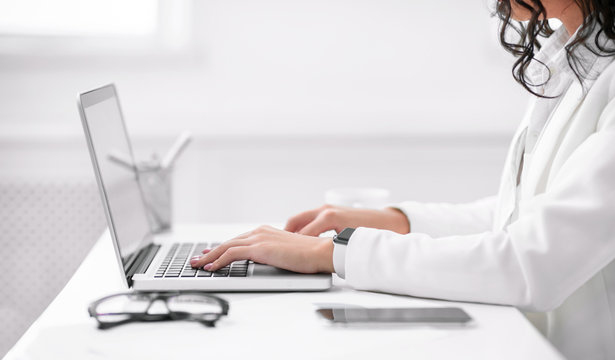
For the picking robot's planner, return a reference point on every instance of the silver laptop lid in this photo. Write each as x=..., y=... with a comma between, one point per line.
x=121, y=196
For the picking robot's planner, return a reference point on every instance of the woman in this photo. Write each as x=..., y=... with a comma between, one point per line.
x=545, y=243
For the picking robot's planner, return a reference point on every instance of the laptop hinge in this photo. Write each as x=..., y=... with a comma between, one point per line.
x=142, y=261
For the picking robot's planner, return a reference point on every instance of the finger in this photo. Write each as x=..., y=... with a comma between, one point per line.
x=323, y=222
x=239, y=237
x=241, y=240
x=230, y=255
x=198, y=262
x=298, y=221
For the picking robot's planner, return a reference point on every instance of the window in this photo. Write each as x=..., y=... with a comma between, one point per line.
x=78, y=17
x=62, y=28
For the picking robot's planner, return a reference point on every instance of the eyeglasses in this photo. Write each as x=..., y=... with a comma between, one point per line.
x=123, y=308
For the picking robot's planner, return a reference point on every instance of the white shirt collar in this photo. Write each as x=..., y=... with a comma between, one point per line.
x=551, y=80
x=553, y=55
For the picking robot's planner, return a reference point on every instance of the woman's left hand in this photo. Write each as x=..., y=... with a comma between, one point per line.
x=271, y=246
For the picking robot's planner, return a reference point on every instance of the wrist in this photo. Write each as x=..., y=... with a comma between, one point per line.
x=396, y=220
x=324, y=254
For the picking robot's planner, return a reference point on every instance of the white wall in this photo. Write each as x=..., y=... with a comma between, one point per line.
x=290, y=66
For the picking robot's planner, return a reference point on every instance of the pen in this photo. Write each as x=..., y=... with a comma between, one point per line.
x=121, y=159
x=178, y=147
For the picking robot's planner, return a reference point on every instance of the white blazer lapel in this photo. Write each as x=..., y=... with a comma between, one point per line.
x=535, y=172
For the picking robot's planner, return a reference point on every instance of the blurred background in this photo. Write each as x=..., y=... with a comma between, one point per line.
x=285, y=98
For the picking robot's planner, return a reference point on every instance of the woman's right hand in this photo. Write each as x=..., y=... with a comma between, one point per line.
x=330, y=217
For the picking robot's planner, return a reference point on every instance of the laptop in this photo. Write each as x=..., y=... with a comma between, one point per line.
x=161, y=263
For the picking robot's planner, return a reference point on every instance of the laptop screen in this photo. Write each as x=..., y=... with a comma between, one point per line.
x=120, y=191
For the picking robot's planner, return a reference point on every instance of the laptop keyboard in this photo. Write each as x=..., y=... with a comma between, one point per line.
x=176, y=263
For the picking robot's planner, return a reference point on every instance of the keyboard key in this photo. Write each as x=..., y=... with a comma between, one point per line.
x=203, y=273
x=174, y=275
x=220, y=274
x=188, y=273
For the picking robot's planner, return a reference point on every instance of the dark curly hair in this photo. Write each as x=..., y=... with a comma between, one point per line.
x=597, y=14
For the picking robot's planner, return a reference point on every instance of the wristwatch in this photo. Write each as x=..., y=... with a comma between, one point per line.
x=343, y=237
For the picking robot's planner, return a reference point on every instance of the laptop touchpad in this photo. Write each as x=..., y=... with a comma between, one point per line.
x=266, y=270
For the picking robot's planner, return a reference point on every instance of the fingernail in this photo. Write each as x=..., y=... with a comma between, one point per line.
x=206, y=251
x=195, y=259
x=208, y=266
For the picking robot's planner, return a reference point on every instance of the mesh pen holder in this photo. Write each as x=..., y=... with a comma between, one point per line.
x=157, y=188
x=155, y=180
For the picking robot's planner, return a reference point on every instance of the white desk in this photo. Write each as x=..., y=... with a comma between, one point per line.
x=266, y=325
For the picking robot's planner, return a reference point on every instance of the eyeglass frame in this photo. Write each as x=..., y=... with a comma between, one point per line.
x=155, y=296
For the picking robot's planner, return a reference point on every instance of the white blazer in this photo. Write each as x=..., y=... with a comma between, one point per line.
x=556, y=258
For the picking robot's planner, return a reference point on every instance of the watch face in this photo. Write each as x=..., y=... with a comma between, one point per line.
x=343, y=236
x=346, y=233
x=338, y=240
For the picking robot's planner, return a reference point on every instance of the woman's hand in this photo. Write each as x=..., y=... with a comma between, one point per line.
x=267, y=245
x=329, y=217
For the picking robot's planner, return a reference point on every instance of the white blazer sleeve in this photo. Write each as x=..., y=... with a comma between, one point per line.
x=564, y=237
x=443, y=219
